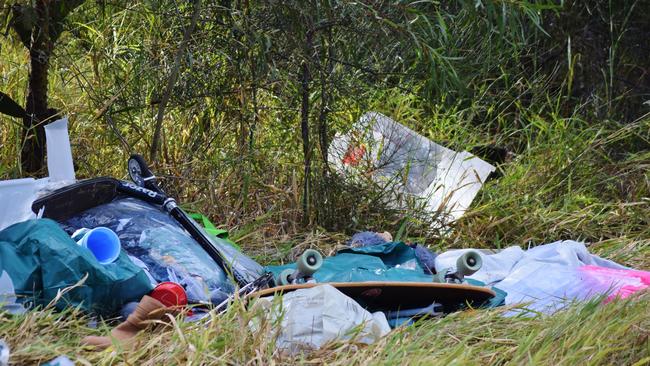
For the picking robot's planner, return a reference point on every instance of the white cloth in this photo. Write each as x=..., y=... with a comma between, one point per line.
x=545, y=276
x=314, y=316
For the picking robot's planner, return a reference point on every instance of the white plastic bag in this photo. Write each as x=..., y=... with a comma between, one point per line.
x=16, y=198
x=19, y=194
x=8, y=295
x=443, y=180
x=309, y=318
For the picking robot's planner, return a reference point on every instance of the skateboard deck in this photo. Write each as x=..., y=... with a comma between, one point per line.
x=387, y=296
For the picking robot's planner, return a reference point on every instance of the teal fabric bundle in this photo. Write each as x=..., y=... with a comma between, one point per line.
x=42, y=259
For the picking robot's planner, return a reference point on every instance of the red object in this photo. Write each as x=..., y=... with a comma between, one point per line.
x=354, y=155
x=170, y=294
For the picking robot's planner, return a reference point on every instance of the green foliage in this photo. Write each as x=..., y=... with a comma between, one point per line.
x=463, y=73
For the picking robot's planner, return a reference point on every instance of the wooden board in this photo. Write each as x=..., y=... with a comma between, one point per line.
x=379, y=296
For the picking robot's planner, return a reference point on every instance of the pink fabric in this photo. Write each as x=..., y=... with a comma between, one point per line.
x=620, y=282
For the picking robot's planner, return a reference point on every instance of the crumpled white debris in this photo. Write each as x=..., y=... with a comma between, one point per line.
x=546, y=276
x=443, y=180
x=311, y=317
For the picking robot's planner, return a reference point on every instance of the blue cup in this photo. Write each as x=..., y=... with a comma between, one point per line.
x=102, y=242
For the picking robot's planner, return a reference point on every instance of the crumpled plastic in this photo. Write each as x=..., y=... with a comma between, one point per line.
x=164, y=249
x=368, y=238
x=620, y=283
x=547, y=277
x=311, y=317
x=425, y=257
x=445, y=181
x=8, y=298
x=5, y=352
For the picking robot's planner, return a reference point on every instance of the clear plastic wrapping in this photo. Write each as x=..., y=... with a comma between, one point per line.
x=164, y=248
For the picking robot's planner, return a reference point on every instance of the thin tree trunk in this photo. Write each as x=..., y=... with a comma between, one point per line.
x=304, y=127
x=155, y=142
x=324, y=107
x=38, y=25
x=326, y=69
x=251, y=132
x=322, y=123
x=33, y=150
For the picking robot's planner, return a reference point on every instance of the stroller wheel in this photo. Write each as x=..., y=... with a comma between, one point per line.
x=138, y=170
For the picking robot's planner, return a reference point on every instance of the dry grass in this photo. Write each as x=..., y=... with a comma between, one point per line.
x=591, y=333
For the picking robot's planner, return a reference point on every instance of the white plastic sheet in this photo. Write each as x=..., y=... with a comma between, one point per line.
x=19, y=194
x=547, y=276
x=309, y=318
x=59, y=154
x=446, y=181
x=8, y=295
x=16, y=197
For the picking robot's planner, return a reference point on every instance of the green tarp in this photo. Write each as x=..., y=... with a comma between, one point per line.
x=382, y=262
x=42, y=259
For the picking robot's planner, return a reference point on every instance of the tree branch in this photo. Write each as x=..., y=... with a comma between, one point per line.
x=155, y=144
x=9, y=107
